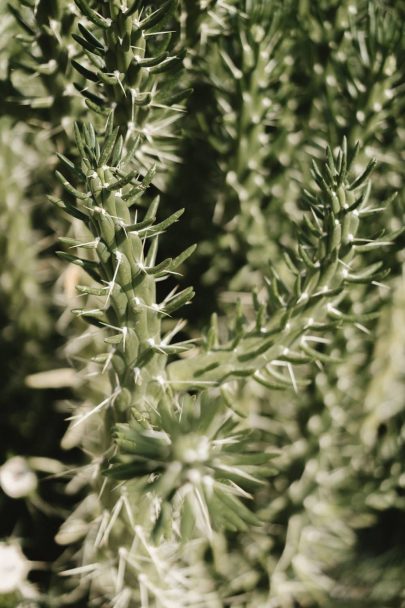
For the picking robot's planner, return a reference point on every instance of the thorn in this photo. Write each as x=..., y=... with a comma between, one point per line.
x=362, y=328
x=111, y=284
x=107, y=362
x=381, y=285
x=292, y=376
x=114, y=514
x=315, y=339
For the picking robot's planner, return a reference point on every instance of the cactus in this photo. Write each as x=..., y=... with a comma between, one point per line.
x=280, y=85
x=214, y=473
x=170, y=446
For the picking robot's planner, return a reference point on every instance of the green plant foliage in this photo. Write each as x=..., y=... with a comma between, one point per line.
x=21, y=290
x=322, y=266
x=262, y=125
x=41, y=61
x=198, y=458
x=130, y=66
x=256, y=459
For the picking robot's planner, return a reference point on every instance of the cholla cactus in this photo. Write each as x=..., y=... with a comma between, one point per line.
x=61, y=62
x=43, y=60
x=19, y=248
x=138, y=86
x=281, y=83
x=195, y=469
x=190, y=460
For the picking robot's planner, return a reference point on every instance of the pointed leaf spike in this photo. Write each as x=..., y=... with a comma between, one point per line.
x=95, y=17
x=364, y=176
x=157, y=16
x=108, y=147
x=70, y=188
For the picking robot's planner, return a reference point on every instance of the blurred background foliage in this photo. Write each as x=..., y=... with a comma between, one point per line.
x=273, y=84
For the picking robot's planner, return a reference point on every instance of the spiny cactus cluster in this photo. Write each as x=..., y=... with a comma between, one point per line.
x=253, y=459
